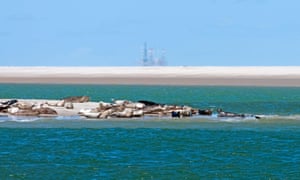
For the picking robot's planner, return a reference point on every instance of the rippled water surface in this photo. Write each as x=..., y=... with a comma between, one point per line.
x=151, y=148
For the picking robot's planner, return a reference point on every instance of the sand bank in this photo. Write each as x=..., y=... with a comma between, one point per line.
x=80, y=105
x=61, y=111
x=236, y=76
x=95, y=110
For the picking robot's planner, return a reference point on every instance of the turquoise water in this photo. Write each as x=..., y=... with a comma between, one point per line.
x=195, y=148
x=256, y=100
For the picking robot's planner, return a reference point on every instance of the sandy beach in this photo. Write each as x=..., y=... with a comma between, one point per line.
x=206, y=75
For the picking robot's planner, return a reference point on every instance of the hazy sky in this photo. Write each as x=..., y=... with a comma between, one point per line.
x=112, y=32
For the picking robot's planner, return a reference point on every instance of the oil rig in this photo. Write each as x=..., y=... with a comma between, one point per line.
x=153, y=57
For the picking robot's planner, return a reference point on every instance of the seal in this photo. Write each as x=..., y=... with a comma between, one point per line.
x=77, y=99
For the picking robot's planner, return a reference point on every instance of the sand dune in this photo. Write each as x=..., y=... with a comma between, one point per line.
x=206, y=75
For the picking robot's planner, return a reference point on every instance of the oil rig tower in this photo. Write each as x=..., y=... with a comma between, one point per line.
x=152, y=57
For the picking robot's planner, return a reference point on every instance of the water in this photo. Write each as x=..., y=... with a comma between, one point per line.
x=194, y=148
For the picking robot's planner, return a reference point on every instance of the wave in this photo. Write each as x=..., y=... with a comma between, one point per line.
x=281, y=117
x=68, y=118
x=213, y=118
x=256, y=118
x=26, y=119
x=19, y=119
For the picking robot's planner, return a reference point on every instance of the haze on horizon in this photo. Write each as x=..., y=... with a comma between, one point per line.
x=112, y=33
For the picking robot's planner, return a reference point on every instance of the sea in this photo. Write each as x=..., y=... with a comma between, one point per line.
x=155, y=148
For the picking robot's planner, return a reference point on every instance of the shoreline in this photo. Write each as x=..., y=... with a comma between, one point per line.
x=283, y=76
x=157, y=81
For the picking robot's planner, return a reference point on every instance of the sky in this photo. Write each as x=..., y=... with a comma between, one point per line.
x=112, y=33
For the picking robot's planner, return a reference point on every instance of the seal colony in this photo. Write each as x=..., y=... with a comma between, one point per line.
x=81, y=105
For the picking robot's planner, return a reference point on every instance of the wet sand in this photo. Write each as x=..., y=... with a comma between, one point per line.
x=223, y=76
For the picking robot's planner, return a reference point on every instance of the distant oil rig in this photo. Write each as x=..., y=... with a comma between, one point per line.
x=153, y=57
